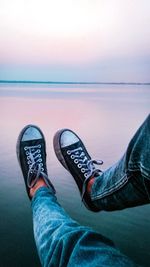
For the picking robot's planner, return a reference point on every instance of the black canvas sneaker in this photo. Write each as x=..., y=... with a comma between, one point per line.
x=73, y=155
x=31, y=154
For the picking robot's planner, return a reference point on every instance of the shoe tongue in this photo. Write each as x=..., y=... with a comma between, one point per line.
x=72, y=146
x=32, y=143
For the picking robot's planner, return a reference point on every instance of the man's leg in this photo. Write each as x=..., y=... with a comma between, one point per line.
x=60, y=240
x=63, y=242
x=126, y=184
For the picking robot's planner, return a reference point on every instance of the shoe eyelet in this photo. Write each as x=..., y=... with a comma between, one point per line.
x=85, y=175
x=79, y=165
x=42, y=169
x=39, y=146
x=27, y=153
x=82, y=170
x=76, y=161
x=38, y=151
x=25, y=148
x=72, y=157
x=68, y=152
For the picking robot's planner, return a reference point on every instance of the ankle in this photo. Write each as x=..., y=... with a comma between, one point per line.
x=89, y=185
x=40, y=183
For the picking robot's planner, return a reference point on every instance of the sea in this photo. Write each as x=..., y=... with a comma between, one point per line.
x=105, y=116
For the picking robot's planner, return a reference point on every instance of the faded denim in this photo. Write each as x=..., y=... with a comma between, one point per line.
x=127, y=183
x=62, y=242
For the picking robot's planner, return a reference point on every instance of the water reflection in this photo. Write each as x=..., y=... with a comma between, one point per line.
x=106, y=119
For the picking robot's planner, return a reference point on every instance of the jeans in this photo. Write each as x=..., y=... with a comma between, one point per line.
x=127, y=183
x=62, y=242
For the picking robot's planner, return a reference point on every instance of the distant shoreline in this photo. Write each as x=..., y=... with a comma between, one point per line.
x=80, y=83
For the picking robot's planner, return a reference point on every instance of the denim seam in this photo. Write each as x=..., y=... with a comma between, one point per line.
x=112, y=189
x=139, y=167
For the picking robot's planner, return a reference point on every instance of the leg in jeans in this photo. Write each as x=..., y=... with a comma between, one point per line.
x=63, y=242
x=60, y=240
x=127, y=183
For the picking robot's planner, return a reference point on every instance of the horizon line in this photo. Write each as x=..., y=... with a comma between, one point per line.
x=71, y=82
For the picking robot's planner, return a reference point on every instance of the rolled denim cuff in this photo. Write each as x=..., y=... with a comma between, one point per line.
x=110, y=181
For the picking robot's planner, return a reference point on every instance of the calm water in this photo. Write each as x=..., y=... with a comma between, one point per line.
x=106, y=118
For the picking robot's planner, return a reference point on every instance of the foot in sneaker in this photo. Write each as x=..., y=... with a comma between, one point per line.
x=31, y=154
x=73, y=155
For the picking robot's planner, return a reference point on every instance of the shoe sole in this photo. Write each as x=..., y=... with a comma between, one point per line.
x=59, y=155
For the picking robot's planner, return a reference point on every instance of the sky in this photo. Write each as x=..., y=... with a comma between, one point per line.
x=75, y=40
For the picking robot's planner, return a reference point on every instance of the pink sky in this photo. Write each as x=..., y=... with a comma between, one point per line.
x=65, y=40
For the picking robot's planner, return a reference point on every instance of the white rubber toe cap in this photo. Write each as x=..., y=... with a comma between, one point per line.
x=68, y=138
x=31, y=133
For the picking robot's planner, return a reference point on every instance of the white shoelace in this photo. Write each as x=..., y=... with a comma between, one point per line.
x=86, y=166
x=34, y=160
